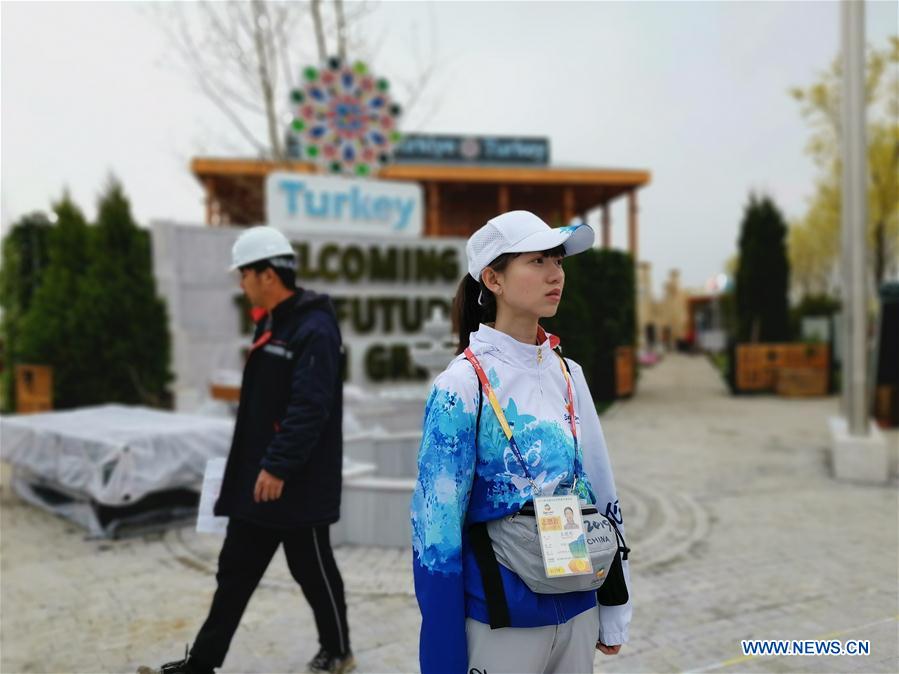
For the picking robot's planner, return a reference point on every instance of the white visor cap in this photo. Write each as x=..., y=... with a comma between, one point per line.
x=522, y=232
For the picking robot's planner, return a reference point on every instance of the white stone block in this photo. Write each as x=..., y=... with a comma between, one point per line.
x=859, y=458
x=375, y=511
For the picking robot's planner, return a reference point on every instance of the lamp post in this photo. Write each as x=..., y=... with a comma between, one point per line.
x=855, y=214
x=859, y=450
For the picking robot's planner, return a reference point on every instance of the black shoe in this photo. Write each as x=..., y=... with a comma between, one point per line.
x=186, y=666
x=335, y=664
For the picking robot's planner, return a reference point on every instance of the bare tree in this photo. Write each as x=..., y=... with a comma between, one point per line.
x=341, y=29
x=413, y=86
x=245, y=58
x=265, y=60
x=319, y=30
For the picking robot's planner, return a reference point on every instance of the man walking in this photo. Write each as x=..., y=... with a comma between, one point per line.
x=283, y=477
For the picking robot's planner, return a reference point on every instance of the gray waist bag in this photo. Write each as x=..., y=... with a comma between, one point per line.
x=516, y=543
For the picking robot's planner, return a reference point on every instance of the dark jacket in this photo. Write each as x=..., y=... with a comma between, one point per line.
x=289, y=418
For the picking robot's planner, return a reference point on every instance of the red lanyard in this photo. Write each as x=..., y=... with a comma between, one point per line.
x=570, y=401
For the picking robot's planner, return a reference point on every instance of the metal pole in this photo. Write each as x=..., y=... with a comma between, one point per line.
x=855, y=215
x=845, y=230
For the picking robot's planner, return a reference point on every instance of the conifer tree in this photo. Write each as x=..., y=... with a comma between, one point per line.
x=24, y=260
x=52, y=333
x=763, y=274
x=127, y=337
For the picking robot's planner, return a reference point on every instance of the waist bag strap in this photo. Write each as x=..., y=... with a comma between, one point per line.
x=494, y=592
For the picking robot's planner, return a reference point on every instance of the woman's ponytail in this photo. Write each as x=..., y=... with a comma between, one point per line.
x=466, y=312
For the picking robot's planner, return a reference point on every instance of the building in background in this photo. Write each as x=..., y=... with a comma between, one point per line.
x=663, y=322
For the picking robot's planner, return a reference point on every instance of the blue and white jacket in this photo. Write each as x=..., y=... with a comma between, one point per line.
x=458, y=486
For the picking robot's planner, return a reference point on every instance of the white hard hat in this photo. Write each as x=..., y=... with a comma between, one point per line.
x=259, y=243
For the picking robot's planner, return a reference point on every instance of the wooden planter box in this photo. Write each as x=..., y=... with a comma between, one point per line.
x=800, y=382
x=805, y=368
x=34, y=388
x=886, y=405
x=624, y=371
x=230, y=394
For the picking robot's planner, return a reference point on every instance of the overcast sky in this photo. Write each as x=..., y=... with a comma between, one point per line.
x=695, y=93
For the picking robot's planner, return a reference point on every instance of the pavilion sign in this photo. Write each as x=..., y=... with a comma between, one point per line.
x=447, y=149
x=299, y=203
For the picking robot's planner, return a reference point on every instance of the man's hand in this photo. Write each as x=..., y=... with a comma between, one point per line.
x=268, y=487
x=608, y=650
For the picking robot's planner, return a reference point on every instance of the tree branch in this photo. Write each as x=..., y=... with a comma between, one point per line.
x=341, y=30
x=319, y=31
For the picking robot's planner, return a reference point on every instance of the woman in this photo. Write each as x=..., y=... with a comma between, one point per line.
x=469, y=473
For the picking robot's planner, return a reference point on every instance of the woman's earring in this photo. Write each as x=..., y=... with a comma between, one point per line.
x=481, y=297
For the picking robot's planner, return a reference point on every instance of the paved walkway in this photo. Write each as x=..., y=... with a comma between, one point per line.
x=737, y=532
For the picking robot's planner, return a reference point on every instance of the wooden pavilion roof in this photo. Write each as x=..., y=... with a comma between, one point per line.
x=459, y=196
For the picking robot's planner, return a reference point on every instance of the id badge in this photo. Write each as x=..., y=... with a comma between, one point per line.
x=562, y=538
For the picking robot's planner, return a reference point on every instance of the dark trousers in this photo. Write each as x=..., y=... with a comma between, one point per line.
x=245, y=555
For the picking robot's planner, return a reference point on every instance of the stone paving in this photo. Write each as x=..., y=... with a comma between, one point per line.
x=737, y=530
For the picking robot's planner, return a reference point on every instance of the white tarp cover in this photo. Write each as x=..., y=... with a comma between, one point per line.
x=115, y=454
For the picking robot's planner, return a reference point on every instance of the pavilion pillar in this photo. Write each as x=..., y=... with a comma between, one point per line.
x=567, y=206
x=433, y=217
x=210, y=206
x=632, y=209
x=606, y=226
x=503, y=198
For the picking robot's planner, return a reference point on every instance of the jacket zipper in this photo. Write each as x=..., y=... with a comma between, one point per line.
x=539, y=361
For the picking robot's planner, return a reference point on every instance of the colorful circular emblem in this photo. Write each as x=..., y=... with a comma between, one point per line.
x=470, y=148
x=345, y=119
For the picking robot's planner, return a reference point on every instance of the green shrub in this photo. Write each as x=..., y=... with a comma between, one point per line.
x=597, y=314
